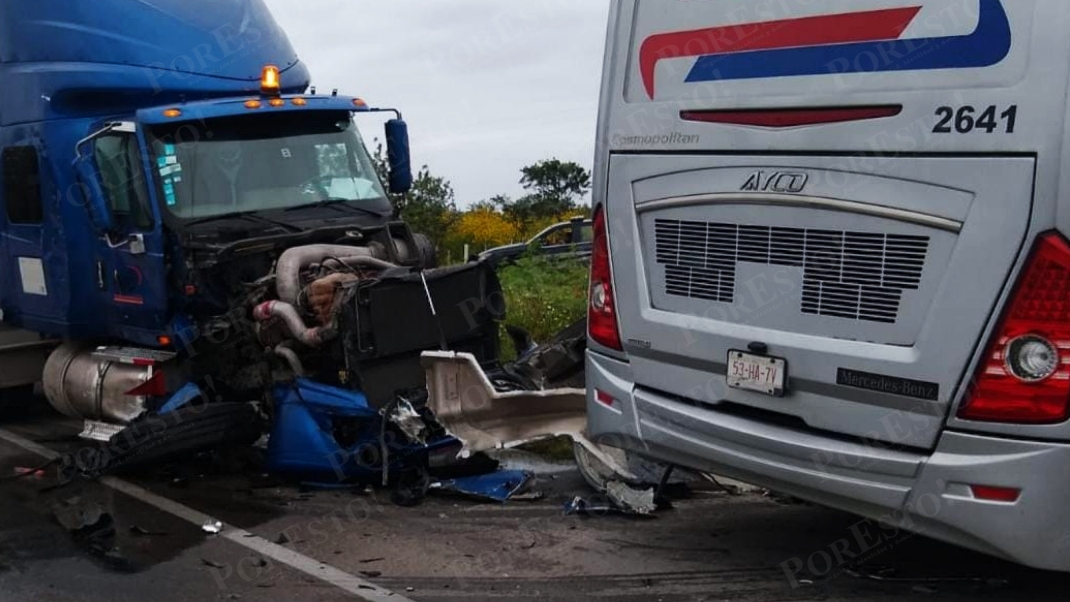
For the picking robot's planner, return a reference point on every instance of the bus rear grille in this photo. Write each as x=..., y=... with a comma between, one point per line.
x=853, y=275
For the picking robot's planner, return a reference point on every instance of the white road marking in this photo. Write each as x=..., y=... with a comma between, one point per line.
x=365, y=590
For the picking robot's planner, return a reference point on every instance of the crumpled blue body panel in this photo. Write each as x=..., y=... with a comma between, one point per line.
x=494, y=487
x=312, y=417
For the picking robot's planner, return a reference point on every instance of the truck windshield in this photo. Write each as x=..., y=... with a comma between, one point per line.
x=262, y=163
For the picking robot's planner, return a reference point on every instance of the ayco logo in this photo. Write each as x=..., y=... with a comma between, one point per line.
x=777, y=181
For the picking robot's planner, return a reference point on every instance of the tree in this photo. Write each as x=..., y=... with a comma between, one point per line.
x=486, y=205
x=566, y=182
x=554, y=188
x=483, y=228
x=430, y=207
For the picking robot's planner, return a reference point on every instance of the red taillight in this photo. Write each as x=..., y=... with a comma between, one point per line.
x=601, y=307
x=1024, y=377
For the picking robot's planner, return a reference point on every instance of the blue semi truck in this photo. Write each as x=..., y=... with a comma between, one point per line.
x=182, y=218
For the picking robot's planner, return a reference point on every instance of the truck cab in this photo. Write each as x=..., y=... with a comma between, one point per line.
x=157, y=161
x=124, y=165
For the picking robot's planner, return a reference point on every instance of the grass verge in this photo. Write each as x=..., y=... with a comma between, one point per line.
x=543, y=296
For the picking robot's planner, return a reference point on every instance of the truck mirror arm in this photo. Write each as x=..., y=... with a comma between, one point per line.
x=114, y=126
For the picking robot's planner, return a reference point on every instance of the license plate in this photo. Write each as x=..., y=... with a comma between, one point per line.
x=757, y=373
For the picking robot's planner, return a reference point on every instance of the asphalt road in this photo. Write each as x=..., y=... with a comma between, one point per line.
x=711, y=546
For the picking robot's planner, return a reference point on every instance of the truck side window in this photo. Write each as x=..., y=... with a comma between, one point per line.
x=22, y=185
x=586, y=233
x=123, y=180
x=562, y=235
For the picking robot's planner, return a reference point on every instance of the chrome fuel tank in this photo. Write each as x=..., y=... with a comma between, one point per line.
x=80, y=384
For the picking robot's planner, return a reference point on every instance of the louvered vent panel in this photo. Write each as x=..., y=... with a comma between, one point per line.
x=853, y=275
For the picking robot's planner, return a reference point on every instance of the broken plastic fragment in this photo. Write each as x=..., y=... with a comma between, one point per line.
x=630, y=500
x=581, y=507
x=408, y=420
x=28, y=472
x=468, y=406
x=495, y=487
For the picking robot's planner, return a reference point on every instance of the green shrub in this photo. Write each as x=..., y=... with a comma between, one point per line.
x=543, y=295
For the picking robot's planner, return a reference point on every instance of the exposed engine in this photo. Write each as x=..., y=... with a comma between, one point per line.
x=267, y=307
x=355, y=316
x=346, y=317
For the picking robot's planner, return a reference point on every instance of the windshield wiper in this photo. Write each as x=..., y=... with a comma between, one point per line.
x=247, y=215
x=337, y=202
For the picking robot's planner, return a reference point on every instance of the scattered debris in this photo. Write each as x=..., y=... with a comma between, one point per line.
x=580, y=507
x=531, y=496
x=560, y=362
x=213, y=564
x=468, y=405
x=506, y=409
x=371, y=560
x=630, y=500
x=408, y=420
x=497, y=486
x=36, y=473
x=212, y=526
x=372, y=574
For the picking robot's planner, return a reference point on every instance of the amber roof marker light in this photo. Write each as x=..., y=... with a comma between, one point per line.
x=270, y=81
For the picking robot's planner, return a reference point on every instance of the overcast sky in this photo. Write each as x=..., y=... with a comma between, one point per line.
x=487, y=86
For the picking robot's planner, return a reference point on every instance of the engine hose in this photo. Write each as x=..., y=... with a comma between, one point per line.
x=293, y=261
x=312, y=337
x=291, y=357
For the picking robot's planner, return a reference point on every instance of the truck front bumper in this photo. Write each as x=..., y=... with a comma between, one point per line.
x=924, y=493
